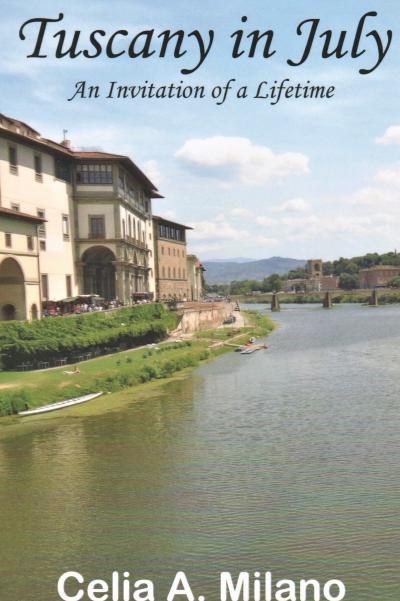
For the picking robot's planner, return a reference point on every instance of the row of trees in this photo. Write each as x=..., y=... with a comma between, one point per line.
x=347, y=270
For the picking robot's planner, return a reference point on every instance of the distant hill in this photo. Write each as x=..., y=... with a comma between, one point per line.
x=223, y=272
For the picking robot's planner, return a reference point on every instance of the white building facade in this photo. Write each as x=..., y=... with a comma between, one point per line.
x=94, y=211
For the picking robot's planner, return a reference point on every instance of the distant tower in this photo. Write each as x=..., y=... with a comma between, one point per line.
x=314, y=268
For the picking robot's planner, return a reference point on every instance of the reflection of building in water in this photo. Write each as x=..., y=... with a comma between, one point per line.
x=378, y=276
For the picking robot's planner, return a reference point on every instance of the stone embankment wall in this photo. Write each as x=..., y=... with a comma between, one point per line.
x=202, y=316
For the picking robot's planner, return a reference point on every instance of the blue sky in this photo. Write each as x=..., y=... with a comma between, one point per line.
x=302, y=178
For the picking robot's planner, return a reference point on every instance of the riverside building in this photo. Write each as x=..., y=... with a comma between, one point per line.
x=72, y=222
x=171, y=259
x=195, y=277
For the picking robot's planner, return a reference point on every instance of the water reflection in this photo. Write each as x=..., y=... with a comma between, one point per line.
x=282, y=460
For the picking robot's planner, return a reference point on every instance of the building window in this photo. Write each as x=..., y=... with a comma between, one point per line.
x=42, y=244
x=42, y=227
x=179, y=273
x=68, y=285
x=45, y=286
x=169, y=251
x=183, y=274
x=8, y=240
x=169, y=272
x=163, y=272
x=13, y=159
x=174, y=252
x=62, y=170
x=174, y=273
x=38, y=167
x=123, y=228
x=97, y=228
x=65, y=227
x=162, y=250
x=121, y=180
x=94, y=174
x=29, y=242
x=15, y=207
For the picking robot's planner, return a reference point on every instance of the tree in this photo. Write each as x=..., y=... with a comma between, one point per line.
x=348, y=281
x=273, y=283
x=395, y=283
x=295, y=274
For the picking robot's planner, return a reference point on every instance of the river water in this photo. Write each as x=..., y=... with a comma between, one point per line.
x=286, y=460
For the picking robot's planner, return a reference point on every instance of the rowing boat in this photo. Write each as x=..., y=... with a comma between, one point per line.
x=61, y=404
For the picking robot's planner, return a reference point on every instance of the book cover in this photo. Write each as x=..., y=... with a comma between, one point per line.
x=199, y=301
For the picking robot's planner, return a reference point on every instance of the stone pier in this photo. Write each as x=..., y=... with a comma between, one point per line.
x=275, y=304
x=373, y=299
x=327, y=302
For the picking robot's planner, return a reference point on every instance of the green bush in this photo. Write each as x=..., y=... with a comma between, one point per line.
x=57, y=337
x=11, y=402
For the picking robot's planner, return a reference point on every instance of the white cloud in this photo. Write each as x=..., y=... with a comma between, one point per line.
x=152, y=170
x=268, y=221
x=295, y=205
x=231, y=159
x=389, y=176
x=391, y=136
x=168, y=214
x=241, y=212
x=217, y=230
x=265, y=241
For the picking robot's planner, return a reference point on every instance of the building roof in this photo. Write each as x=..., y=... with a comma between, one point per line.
x=120, y=158
x=22, y=131
x=21, y=216
x=169, y=222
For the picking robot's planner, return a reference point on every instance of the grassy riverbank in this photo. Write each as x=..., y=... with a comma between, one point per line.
x=67, y=338
x=122, y=370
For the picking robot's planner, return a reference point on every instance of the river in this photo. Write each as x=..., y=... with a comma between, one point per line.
x=286, y=460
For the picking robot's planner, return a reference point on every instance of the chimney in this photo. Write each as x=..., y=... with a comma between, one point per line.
x=66, y=142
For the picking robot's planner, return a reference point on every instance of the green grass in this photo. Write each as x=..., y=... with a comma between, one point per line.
x=115, y=372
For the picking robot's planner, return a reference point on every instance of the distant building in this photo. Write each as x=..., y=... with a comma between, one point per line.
x=20, y=296
x=170, y=259
x=314, y=268
x=378, y=276
x=195, y=278
x=323, y=283
x=314, y=281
